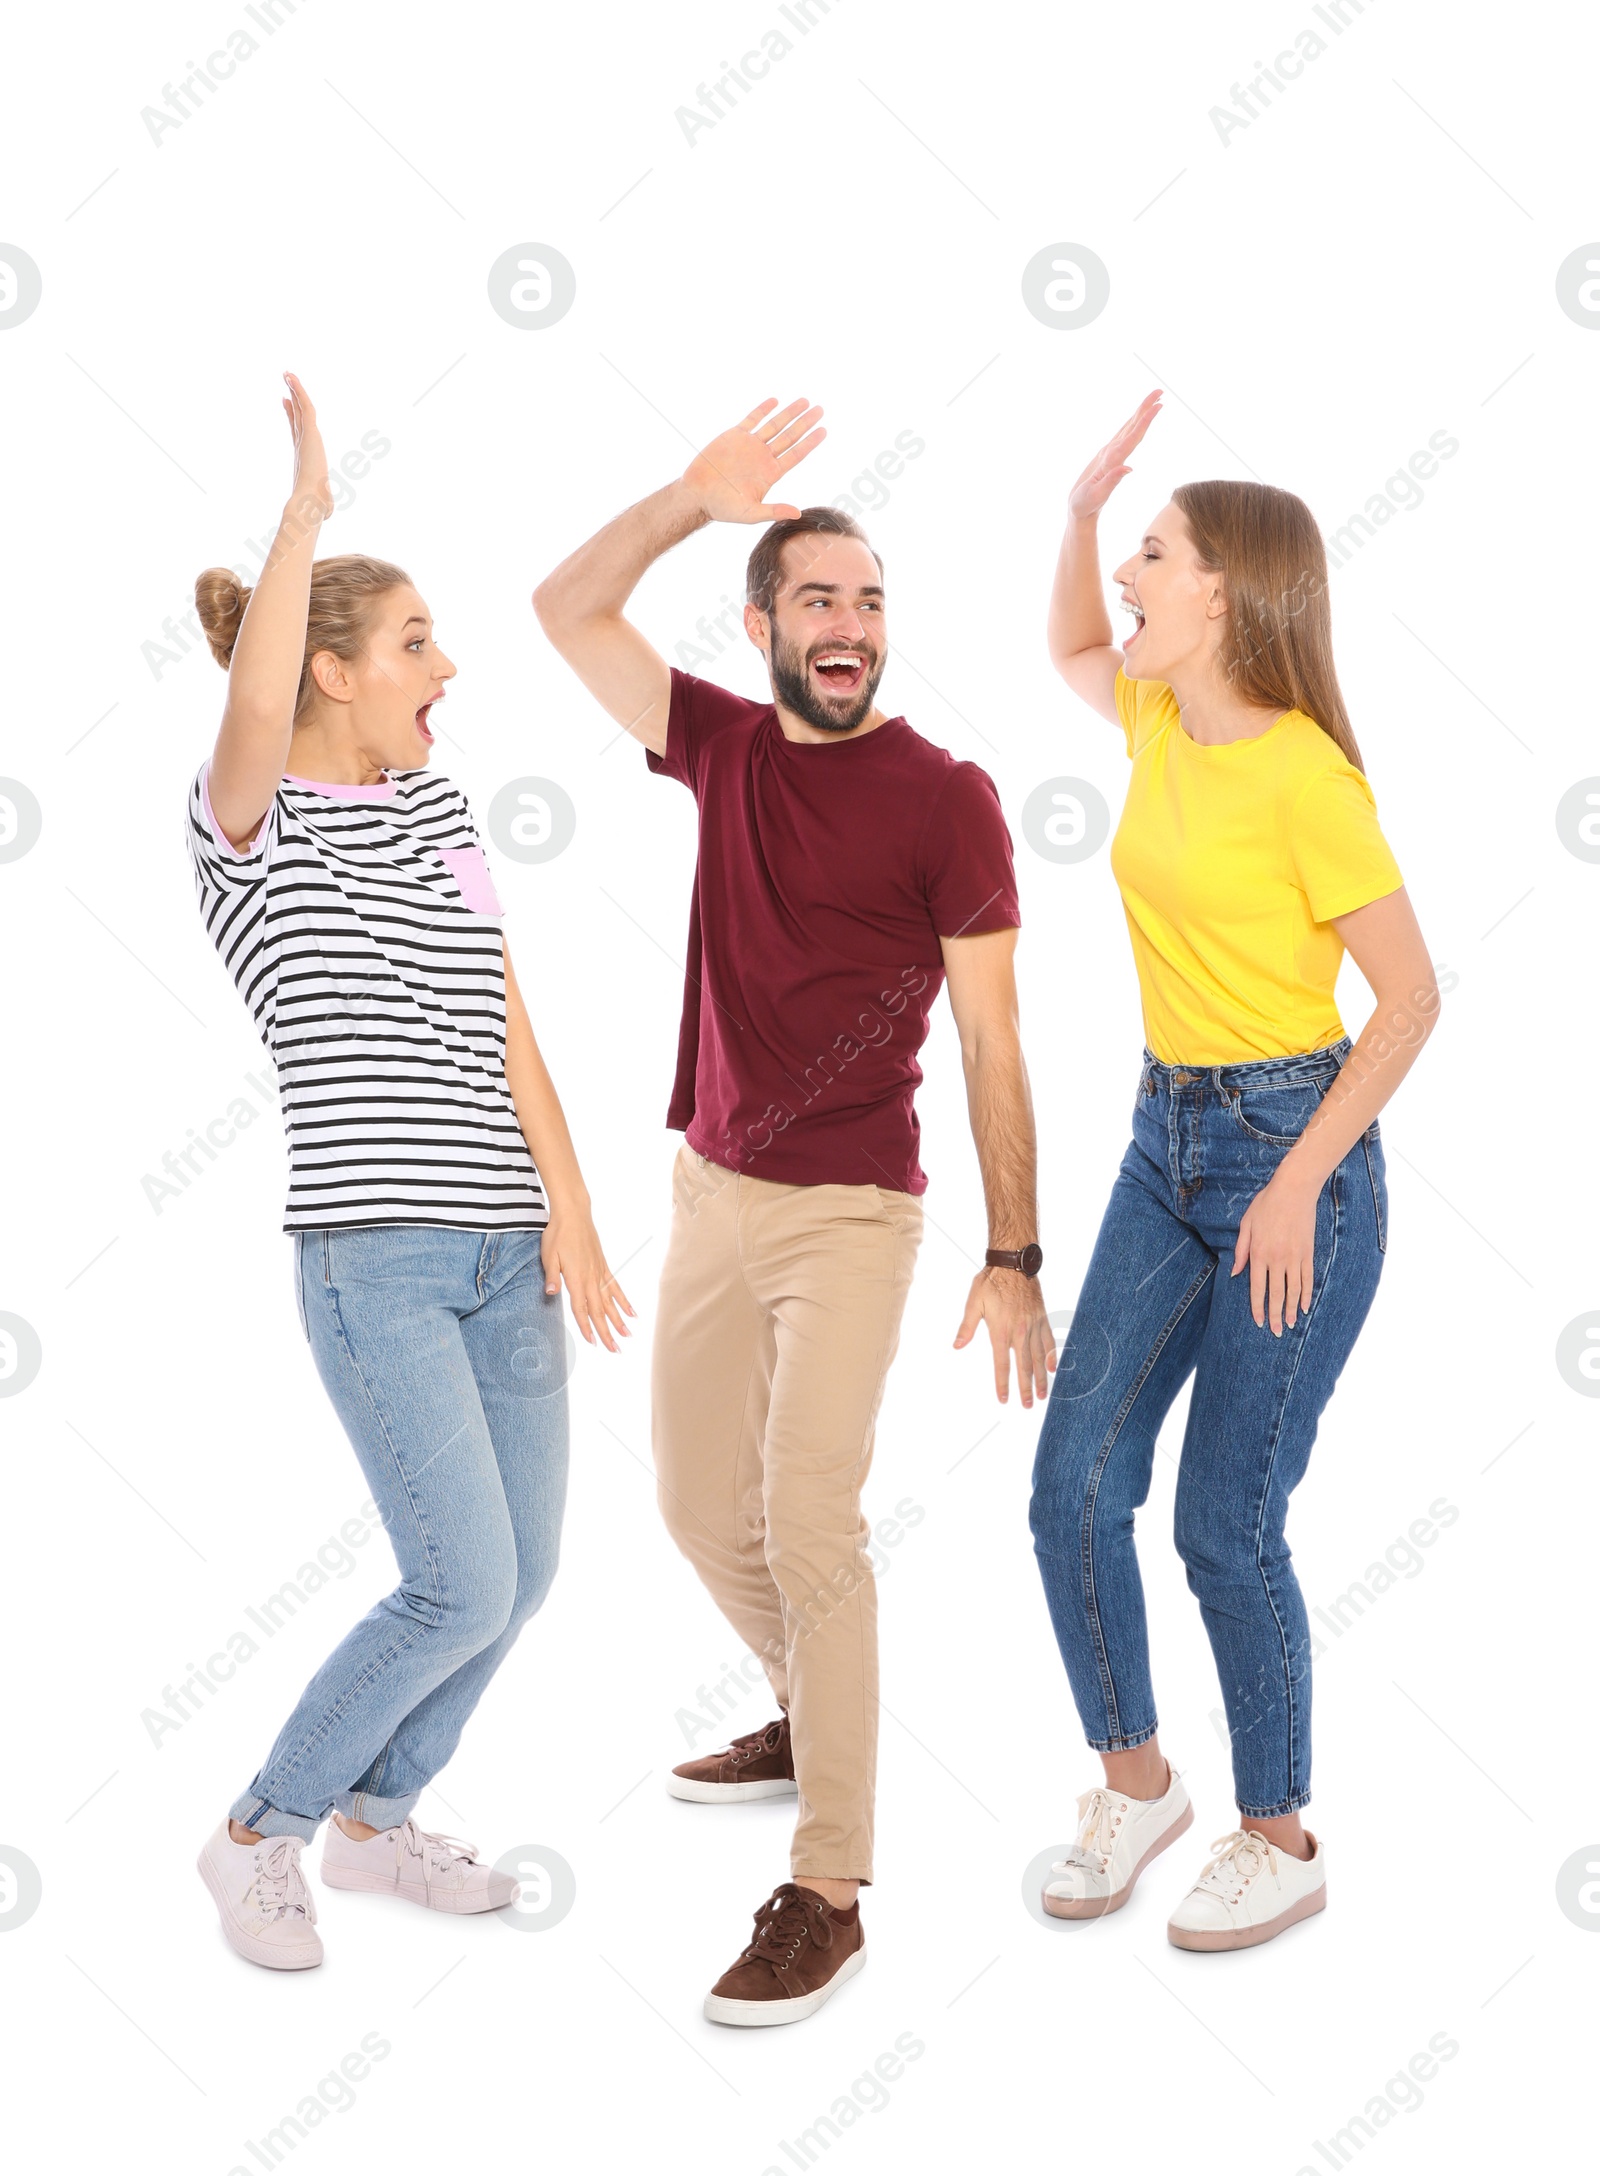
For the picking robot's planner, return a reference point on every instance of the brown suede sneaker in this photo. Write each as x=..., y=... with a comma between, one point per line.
x=801, y=1951
x=759, y=1765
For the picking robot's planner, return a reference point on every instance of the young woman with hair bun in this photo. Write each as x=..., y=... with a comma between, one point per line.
x=434, y=1199
x=1248, y=1223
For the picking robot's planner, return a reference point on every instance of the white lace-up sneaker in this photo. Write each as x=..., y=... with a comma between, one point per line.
x=1248, y=1892
x=267, y=1912
x=440, y=1872
x=1117, y=1838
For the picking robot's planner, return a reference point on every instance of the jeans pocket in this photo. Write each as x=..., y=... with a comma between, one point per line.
x=1276, y=1115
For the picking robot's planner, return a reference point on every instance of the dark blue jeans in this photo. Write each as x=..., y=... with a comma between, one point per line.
x=1158, y=1304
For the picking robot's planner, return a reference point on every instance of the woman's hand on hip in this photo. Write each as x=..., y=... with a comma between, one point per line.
x=1277, y=1237
x=573, y=1256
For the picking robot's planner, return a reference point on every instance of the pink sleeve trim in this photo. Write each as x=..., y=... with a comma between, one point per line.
x=224, y=843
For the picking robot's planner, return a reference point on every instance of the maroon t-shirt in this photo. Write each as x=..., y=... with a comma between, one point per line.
x=828, y=871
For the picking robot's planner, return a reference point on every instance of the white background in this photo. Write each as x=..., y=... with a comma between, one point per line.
x=1370, y=261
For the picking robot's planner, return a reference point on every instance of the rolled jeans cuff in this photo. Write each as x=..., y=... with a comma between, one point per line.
x=1280, y=1812
x=1124, y=1742
x=376, y=1812
x=253, y=1811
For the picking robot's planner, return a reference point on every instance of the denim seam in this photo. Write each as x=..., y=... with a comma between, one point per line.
x=1309, y=1319
x=376, y=1773
x=388, y=1444
x=1377, y=1205
x=286, y=1770
x=1092, y=1493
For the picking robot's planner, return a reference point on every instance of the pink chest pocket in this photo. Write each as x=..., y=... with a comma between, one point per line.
x=471, y=873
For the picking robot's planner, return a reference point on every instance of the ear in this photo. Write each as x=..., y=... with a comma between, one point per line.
x=331, y=679
x=757, y=627
x=1216, y=601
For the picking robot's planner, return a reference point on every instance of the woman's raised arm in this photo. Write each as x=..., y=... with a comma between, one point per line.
x=1081, y=645
x=267, y=651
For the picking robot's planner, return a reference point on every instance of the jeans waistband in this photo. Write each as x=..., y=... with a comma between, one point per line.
x=1312, y=1066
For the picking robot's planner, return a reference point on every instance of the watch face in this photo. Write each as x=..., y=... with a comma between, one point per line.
x=1032, y=1260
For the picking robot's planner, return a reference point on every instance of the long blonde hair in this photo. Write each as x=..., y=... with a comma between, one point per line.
x=344, y=595
x=1277, y=647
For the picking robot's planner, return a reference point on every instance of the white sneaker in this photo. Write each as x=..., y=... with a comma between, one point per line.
x=439, y=1872
x=267, y=1912
x=1117, y=1838
x=1248, y=1892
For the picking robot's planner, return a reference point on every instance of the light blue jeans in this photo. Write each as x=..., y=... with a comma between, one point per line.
x=446, y=1362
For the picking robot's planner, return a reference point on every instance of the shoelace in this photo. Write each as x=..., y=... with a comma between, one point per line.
x=1091, y=1848
x=280, y=1887
x=783, y=1922
x=754, y=1744
x=447, y=1856
x=1235, y=1862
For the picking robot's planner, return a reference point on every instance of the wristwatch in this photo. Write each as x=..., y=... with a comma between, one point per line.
x=1029, y=1259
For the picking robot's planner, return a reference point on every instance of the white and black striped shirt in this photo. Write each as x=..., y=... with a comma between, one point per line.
x=362, y=929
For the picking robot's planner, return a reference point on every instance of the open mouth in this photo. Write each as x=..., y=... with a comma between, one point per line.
x=840, y=671
x=423, y=726
x=1138, y=624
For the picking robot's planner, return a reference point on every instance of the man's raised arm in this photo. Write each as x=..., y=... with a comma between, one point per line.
x=580, y=606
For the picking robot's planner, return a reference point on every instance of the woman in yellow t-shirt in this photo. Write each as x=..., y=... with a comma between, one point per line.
x=1247, y=1225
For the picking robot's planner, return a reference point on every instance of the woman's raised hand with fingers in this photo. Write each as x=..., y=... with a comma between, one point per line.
x=732, y=476
x=310, y=456
x=1110, y=464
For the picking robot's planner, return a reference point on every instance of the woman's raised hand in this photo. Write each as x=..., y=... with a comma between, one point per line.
x=1110, y=464
x=732, y=476
x=310, y=455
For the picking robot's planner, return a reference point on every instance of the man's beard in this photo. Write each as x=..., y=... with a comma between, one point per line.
x=792, y=686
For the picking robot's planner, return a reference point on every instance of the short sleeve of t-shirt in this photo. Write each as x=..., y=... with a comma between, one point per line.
x=218, y=863
x=967, y=868
x=1144, y=706
x=699, y=709
x=1341, y=857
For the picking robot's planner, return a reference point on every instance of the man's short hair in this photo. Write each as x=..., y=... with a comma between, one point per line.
x=765, y=571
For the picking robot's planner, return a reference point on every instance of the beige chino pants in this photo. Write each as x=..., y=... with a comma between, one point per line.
x=779, y=1315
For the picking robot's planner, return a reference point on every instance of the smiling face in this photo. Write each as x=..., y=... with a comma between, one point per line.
x=1178, y=605
x=387, y=692
x=824, y=637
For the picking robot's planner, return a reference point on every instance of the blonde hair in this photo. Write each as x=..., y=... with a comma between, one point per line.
x=1277, y=647
x=344, y=595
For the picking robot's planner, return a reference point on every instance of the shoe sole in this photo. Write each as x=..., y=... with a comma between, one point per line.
x=730, y=1794
x=245, y=1945
x=1214, y=1938
x=724, y=2010
x=1062, y=1907
x=336, y=1877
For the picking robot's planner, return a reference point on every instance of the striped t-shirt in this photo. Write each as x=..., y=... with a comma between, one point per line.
x=362, y=929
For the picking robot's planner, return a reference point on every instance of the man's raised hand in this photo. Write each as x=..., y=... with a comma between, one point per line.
x=732, y=476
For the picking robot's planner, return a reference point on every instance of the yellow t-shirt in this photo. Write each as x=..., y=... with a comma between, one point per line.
x=1232, y=862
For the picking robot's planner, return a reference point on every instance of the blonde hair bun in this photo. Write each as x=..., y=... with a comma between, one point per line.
x=220, y=599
